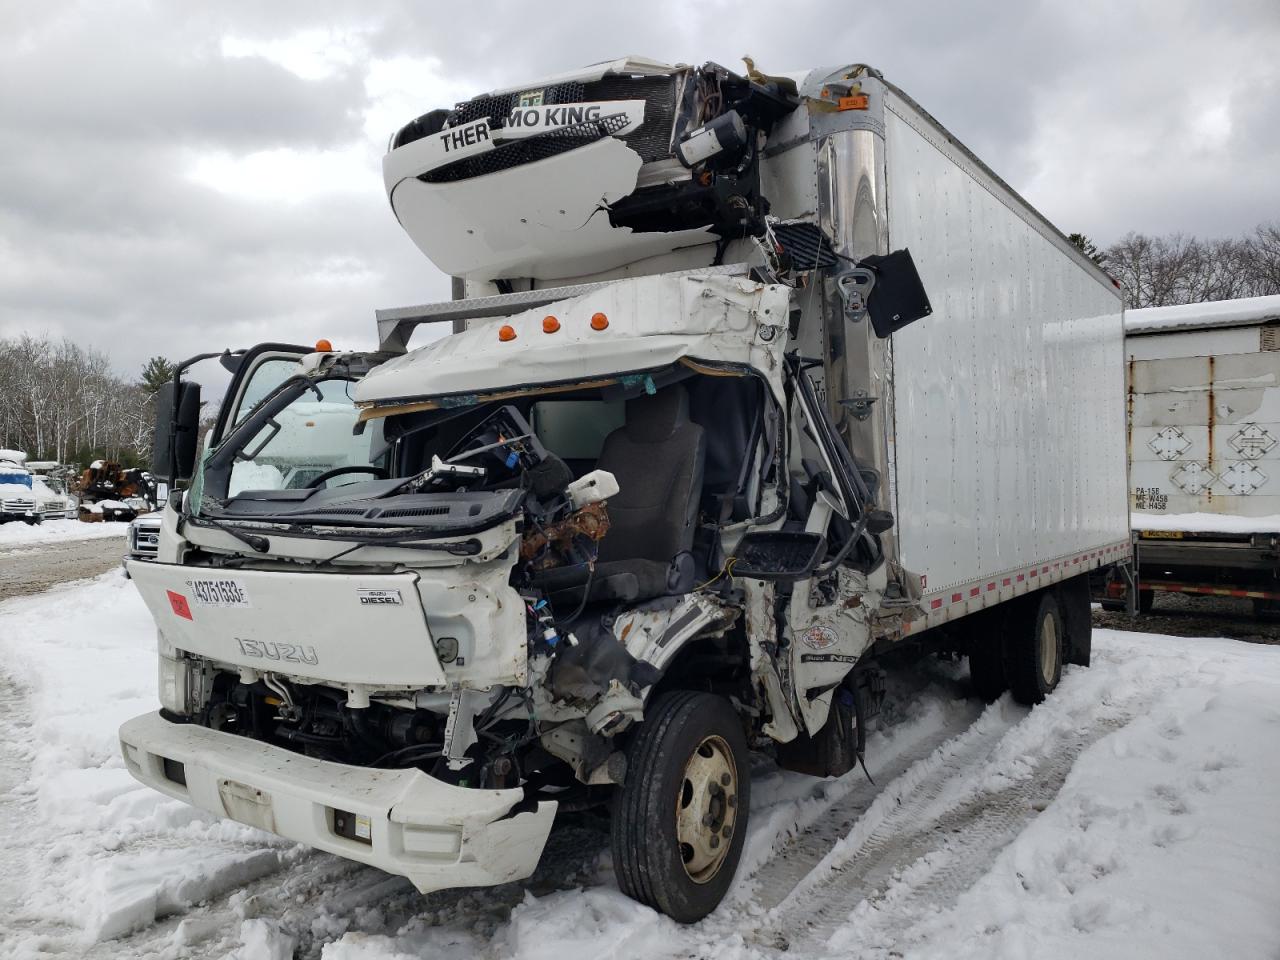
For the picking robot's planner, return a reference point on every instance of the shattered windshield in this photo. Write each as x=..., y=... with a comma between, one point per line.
x=311, y=436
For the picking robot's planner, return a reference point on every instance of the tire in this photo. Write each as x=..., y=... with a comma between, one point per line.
x=1034, y=647
x=1146, y=600
x=986, y=668
x=678, y=761
x=1113, y=606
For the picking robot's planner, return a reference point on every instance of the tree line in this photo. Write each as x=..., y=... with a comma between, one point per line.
x=61, y=401
x=1165, y=270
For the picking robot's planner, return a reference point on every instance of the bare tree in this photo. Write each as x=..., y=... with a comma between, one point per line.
x=62, y=402
x=1159, y=271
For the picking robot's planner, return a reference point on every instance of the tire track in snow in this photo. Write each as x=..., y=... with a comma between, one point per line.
x=940, y=826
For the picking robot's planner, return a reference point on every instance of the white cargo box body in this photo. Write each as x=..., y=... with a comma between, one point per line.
x=1007, y=439
x=1204, y=393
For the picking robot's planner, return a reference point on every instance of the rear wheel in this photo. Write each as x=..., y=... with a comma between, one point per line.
x=680, y=818
x=1146, y=600
x=1033, y=650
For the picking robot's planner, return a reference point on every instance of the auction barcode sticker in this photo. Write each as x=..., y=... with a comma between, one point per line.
x=222, y=592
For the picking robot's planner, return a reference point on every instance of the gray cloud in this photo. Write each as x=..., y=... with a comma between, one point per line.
x=1110, y=117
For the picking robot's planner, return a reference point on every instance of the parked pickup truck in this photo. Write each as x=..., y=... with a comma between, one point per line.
x=751, y=380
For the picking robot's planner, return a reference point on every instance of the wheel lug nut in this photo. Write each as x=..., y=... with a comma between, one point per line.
x=724, y=779
x=733, y=801
x=715, y=842
x=727, y=831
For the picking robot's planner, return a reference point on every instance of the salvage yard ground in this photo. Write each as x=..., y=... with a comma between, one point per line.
x=1131, y=815
x=34, y=558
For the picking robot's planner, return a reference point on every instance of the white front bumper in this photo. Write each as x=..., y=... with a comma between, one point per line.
x=437, y=835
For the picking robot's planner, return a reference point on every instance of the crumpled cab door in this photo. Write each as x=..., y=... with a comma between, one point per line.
x=828, y=622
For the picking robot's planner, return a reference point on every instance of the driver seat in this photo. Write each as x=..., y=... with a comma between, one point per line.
x=657, y=456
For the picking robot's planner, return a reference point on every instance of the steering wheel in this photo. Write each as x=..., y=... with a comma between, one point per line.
x=378, y=472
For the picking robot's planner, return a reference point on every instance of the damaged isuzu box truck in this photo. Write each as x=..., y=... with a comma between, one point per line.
x=750, y=379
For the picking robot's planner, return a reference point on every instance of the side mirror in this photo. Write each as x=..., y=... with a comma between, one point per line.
x=778, y=555
x=177, y=425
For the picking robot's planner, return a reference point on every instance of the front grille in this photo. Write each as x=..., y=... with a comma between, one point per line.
x=652, y=140
x=498, y=108
x=19, y=506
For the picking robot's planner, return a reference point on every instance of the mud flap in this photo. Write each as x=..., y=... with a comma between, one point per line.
x=1077, y=619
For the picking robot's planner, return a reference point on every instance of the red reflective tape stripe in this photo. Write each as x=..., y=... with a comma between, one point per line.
x=1006, y=581
x=1044, y=569
x=956, y=597
x=973, y=592
x=1033, y=572
x=935, y=604
x=180, y=606
x=991, y=586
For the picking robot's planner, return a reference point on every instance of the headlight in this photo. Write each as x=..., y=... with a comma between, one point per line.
x=176, y=685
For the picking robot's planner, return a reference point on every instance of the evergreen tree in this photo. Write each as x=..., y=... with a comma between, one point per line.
x=1086, y=246
x=155, y=373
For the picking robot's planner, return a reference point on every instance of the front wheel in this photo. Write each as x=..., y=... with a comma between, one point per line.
x=680, y=819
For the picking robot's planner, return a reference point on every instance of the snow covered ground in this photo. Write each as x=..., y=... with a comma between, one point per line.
x=1131, y=815
x=18, y=535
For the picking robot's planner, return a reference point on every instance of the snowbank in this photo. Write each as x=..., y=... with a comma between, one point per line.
x=1215, y=313
x=103, y=854
x=1205, y=522
x=18, y=534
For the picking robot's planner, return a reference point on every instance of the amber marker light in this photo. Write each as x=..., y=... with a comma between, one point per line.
x=599, y=321
x=324, y=346
x=550, y=324
x=506, y=332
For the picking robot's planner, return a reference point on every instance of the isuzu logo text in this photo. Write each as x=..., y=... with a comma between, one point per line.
x=280, y=652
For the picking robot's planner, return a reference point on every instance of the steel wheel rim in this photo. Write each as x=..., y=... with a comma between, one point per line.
x=1048, y=649
x=707, y=809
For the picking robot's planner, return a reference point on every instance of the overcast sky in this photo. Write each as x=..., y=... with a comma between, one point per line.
x=179, y=177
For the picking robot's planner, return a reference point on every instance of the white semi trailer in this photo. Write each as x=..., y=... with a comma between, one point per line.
x=704, y=443
x=1204, y=448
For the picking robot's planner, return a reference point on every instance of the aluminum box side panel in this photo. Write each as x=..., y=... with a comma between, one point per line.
x=1205, y=429
x=1009, y=399
x=1191, y=343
